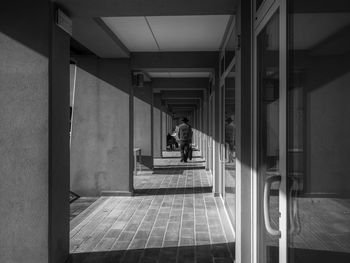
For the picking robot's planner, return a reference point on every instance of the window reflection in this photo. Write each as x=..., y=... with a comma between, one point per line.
x=319, y=132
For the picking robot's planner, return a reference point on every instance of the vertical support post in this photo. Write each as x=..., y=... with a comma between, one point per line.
x=243, y=102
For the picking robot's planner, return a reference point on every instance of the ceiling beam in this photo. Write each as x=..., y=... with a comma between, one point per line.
x=181, y=84
x=113, y=36
x=182, y=94
x=103, y=8
x=89, y=33
x=193, y=102
x=168, y=61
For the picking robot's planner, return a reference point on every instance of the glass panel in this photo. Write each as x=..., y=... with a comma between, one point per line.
x=222, y=65
x=230, y=153
x=258, y=3
x=268, y=126
x=319, y=132
x=230, y=50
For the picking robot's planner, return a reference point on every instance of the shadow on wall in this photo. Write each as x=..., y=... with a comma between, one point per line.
x=100, y=145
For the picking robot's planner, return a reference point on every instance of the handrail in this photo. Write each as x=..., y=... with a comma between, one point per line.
x=271, y=178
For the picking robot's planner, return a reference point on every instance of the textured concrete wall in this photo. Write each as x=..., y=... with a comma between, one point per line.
x=143, y=130
x=157, y=125
x=157, y=145
x=164, y=131
x=24, y=130
x=100, y=154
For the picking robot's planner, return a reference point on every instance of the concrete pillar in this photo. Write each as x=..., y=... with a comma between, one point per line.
x=217, y=162
x=143, y=128
x=197, y=128
x=243, y=133
x=164, y=131
x=34, y=117
x=205, y=129
x=157, y=128
x=101, y=144
x=170, y=123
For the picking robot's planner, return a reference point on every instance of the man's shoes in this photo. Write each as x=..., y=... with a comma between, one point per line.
x=185, y=161
x=181, y=161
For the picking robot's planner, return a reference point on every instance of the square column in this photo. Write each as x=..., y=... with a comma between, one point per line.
x=157, y=126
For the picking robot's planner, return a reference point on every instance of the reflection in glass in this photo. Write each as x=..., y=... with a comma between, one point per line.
x=230, y=49
x=230, y=152
x=319, y=132
x=268, y=123
x=258, y=3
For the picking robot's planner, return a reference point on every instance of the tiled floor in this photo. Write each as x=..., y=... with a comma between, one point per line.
x=174, y=217
x=80, y=205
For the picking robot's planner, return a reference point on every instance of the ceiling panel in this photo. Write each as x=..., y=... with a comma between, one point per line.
x=133, y=32
x=189, y=33
x=169, y=33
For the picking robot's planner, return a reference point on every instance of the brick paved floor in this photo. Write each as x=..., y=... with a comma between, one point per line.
x=80, y=205
x=174, y=217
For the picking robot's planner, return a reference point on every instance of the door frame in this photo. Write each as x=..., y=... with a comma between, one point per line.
x=261, y=17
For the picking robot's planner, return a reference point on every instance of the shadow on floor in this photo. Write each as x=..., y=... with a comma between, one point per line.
x=173, y=167
x=178, y=157
x=299, y=255
x=168, y=171
x=200, y=254
x=173, y=191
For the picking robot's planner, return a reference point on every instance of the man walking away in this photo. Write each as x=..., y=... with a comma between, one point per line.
x=185, y=137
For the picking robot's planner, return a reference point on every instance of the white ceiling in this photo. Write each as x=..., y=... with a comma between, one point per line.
x=179, y=74
x=169, y=33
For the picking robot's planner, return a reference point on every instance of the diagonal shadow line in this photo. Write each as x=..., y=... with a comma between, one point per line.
x=177, y=167
x=173, y=191
x=178, y=157
x=221, y=252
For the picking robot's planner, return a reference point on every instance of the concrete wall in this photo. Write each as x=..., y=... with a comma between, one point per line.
x=100, y=149
x=59, y=145
x=157, y=129
x=164, y=130
x=24, y=132
x=143, y=124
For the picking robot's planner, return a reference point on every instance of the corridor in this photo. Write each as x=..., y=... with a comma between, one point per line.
x=95, y=95
x=173, y=217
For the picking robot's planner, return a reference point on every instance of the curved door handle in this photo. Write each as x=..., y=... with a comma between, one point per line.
x=267, y=186
x=227, y=152
x=293, y=207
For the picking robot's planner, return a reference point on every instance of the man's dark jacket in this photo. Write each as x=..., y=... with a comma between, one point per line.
x=185, y=133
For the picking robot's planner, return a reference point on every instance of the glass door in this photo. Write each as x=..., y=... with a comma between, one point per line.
x=319, y=132
x=270, y=202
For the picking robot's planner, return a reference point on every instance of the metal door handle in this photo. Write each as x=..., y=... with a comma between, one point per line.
x=293, y=208
x=227, y=152
x=267, y=186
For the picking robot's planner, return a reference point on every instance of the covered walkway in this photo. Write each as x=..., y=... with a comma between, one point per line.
x=92, y=91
